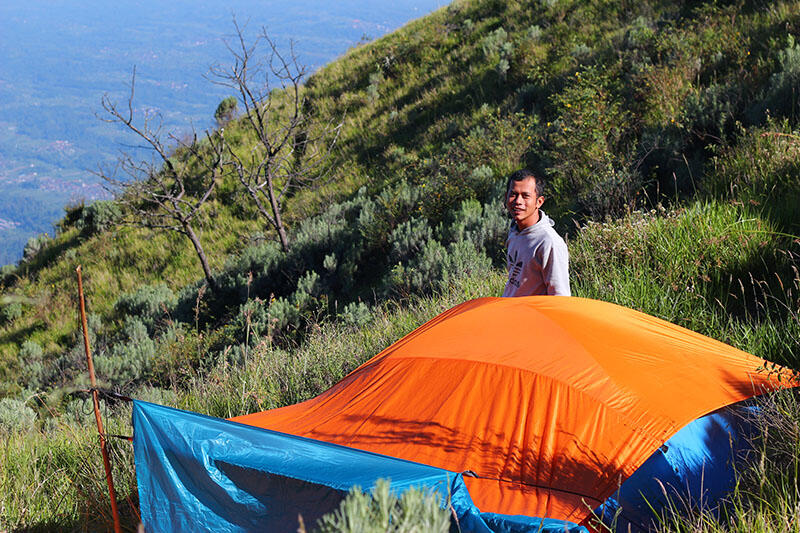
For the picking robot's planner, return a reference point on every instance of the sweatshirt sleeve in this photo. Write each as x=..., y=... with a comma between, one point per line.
x=555, y=267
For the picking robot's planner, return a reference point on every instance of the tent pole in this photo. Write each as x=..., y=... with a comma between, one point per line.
x=103, y=444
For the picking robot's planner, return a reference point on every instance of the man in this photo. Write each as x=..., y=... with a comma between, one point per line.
x=537, y=256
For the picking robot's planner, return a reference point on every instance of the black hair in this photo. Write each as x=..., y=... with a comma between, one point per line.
x=523, y=174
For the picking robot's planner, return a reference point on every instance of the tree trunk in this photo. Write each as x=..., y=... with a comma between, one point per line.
x=276, y=212
x=200, y=254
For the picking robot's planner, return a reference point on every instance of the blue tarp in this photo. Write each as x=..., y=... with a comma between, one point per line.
x=196, y=472
x=696, y=467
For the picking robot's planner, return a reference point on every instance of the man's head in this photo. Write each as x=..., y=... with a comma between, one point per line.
x=524, y=197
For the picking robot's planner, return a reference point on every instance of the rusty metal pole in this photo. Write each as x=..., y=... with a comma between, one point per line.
x=103, y=444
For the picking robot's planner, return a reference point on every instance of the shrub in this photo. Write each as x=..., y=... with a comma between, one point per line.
x=468, y=26
x=383, y=511
x=711, y=111
x=482, y=174
x=469, y=165
x=275, y=317
x=408, y=238
x=484, y=226
x=35, y=245
x=534, y=33
x=308, y=288
x=640, y=34
x=422, y=271
x=375, y=80
x=72, y=361
x=10, y=312
x=156, y=395
x=30, y=358
x=6, y=271
x=330, y=263
x=15, y=416
x=356, y=314
x=283, y=314
x=462, y=261
x=129, y=359
x=148, y=303
x=379, y=217
x=79, y=411
x=226, y=110
x=99, y=216
x=243, y=275
x=588, y=146
x=780, y=97
x=497, y=47
x=494, y=42
x=398, y=155
x=252, y=320
x=580, y=51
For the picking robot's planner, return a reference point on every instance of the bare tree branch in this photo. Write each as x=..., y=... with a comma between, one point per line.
x=292, y=145
x=165, y=193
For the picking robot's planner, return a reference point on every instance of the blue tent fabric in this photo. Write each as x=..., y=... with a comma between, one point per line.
x=196, y=472
x=695, y=467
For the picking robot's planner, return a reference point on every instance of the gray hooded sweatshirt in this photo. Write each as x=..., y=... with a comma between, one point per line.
x=538, y=261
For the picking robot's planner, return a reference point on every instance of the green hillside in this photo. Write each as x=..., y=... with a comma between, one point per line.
x=669, y=134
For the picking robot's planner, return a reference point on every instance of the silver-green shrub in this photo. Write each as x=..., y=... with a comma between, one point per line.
x=356, y=314
x=35, y=245
x=128, y=360
x=463, y=260
x=15, y=416
x=780, y=96
x=415, y=511
x=409, y=238
x=98, y=216
x=148, y=303
x=485, y=226
x=33, y=370
x=252, y=320
x=79, y=411
x=10, y=312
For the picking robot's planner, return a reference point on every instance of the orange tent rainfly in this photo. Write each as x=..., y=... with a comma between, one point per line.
x=545, y=405
x=550, y=401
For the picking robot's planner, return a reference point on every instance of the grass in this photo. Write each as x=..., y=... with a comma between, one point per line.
x=712, y=267
x=53, y=479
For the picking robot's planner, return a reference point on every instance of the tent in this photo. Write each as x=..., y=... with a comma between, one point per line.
x=536, y=412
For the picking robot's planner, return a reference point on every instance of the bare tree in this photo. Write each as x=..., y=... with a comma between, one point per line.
x=168, y=190
x=291, y=144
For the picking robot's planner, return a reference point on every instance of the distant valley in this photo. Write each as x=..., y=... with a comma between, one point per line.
x=60, y=57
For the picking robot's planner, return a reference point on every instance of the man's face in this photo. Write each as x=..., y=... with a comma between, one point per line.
x=523, y=203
